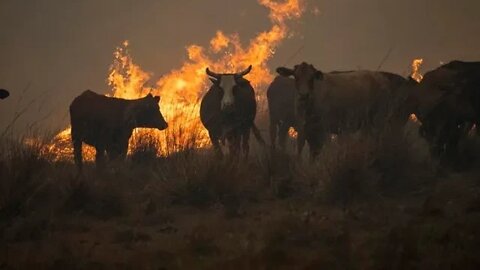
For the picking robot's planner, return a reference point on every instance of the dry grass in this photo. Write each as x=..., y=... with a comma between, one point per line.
x=371, y=200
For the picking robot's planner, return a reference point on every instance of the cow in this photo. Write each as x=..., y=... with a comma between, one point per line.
x=228, y=110
x=107, y=123
x=341, y=102
x=4, y=94
x=447, y=103
x=281, y=106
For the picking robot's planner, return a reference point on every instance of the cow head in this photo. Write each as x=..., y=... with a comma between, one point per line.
x=227, y=82
x=4, y=94
x=305, y=75
x=147, y=113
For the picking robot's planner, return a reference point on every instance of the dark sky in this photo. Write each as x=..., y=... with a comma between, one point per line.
x=62, y=47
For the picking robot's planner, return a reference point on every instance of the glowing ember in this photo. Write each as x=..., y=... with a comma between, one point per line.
x=416, y=64
x=413, y=117
x=292, y=133
x=182, y=89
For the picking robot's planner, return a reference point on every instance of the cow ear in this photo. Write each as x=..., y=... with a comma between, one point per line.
x=283, y=71
x=157, y=99
x=213, y=80
x=318, y=75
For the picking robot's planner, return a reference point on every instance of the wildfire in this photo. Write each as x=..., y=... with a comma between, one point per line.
x=416, y=64
x=181, y=89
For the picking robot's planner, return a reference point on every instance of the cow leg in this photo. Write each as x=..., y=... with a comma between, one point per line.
x=300, y=143
x=245, y=143
x=451, y=144
x=100, y=157
x=314, y=151
x=282, y=135
x=113, y=154
x=273, y=134
x=216, y=144
x=234, y=145
x=77, y=153
x=123, y=151
x=120, y=152
x=315, y=143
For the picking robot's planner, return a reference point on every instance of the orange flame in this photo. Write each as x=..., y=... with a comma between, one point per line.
x=292, y=133
x=413, y=117
x=126, y=79
x=416, y=75
x=182, y=88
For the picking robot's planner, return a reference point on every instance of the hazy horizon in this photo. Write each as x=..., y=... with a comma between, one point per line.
x=61, y=48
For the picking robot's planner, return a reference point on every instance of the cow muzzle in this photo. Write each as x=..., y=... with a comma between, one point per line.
x=228, y=108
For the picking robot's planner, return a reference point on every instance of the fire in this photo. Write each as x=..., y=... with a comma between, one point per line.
x=181, y=89
x=292, y=133
x=413, y=118
x=417, y=76
x=126, y=79
x=416, y=64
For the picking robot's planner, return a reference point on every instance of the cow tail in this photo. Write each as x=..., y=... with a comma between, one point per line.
x=77, y=147
x=258, y=136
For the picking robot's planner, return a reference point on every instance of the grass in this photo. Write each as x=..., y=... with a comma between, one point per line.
x=372, y=200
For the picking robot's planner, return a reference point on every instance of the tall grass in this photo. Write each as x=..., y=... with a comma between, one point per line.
x=191, y=208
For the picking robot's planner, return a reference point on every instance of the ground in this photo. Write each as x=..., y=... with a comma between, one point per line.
x=369, y=202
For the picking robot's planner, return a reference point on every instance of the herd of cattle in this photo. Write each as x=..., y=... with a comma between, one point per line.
x=446, y=101
x=314, y=103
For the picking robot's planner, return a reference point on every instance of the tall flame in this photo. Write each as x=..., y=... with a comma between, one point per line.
x=181, y=89
x=416, y=64
x=417, y=76
x=127, y=79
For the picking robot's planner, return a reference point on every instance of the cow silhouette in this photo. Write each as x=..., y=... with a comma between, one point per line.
x=107, y=123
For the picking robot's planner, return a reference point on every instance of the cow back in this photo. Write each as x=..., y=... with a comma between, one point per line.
x=90, y=107
x=346, y=99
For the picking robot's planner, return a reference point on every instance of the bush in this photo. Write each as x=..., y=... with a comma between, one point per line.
x=23, y=170
x=368, y=164
x=90, y=197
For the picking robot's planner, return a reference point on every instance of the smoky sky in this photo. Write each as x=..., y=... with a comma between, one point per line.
x=52, y=50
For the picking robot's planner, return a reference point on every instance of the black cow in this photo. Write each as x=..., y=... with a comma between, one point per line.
x=281, y=108
x=447, y=102
x=107, y=123
x=228, y=111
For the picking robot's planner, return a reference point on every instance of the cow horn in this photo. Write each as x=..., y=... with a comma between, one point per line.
x=212, y=74
x=245, y=72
